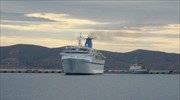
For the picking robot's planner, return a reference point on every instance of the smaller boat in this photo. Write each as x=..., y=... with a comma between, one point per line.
x=138, y=68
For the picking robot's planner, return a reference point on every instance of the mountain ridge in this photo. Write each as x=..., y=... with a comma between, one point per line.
x=35, y=56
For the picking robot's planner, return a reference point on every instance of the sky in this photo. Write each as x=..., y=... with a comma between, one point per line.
x=119, y=25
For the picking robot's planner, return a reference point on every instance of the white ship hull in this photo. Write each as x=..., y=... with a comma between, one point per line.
x=139, y=72
x=138, y=69
x=81, y=66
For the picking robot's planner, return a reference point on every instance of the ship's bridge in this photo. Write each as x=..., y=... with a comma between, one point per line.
x=77, y=50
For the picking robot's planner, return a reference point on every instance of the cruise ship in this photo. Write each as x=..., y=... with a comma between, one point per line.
x=82, y=60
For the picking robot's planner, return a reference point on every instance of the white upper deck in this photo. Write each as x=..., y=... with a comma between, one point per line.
x=77, y=49
x=82, y=50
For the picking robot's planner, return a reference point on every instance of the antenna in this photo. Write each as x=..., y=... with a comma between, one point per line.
x=136, y=60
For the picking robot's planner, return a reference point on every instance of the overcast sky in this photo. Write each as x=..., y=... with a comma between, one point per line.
x=119, y=26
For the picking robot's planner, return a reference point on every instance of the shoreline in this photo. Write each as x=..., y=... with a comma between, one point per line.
x=106, y=71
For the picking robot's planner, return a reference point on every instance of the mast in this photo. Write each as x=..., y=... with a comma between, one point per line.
x=79, y=40
x=136, y=60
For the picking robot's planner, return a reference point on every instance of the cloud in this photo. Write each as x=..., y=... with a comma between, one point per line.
x=65, y=18
x=37, y=41
x=132, y=35
x=53, y=26
x=125, y=45
x=125, y=30
x=119, y=26
x=165, y=31
x=58, y=22
x=16, y=16
x=124, y=38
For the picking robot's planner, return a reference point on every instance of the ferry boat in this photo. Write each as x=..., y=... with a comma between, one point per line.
x=138, y=69
x=82, y=60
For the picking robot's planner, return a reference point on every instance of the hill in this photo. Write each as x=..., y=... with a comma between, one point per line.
x=33, y=56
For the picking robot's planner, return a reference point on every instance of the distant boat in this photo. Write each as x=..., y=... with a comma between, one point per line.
x=82, y=59
x=138, y=69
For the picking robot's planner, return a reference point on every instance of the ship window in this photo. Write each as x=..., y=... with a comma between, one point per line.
x=84, y=49
x=73, y=49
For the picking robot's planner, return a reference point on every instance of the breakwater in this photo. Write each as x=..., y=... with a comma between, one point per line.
x=150, y=72
x=31, y=71
x=61, y=71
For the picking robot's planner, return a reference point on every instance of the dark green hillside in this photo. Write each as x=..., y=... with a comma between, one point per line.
x=29, y=56
x=32, y=56
x=154, y=60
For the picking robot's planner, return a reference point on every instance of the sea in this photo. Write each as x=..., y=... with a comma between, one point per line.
x=55, y=86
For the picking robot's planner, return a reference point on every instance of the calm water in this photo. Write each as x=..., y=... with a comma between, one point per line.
x=26, y=86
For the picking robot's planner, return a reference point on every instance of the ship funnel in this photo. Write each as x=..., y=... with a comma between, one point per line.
x=88, y=42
